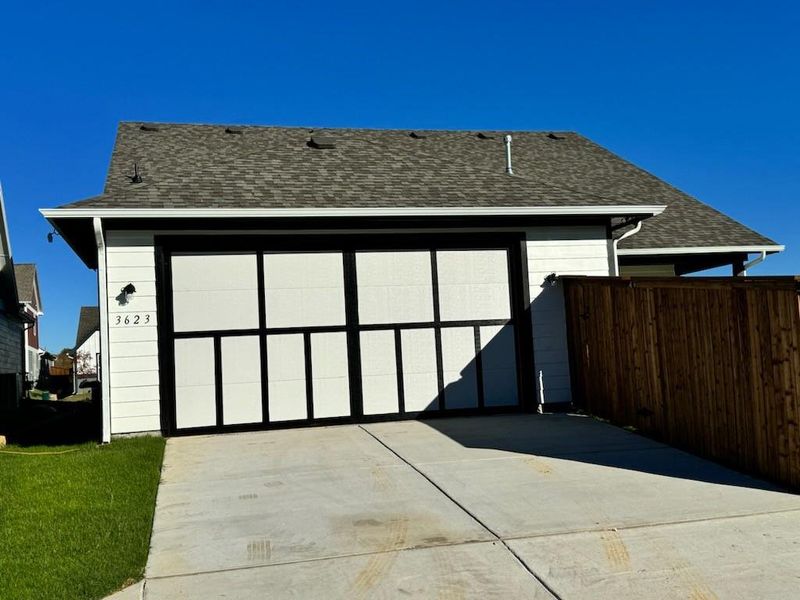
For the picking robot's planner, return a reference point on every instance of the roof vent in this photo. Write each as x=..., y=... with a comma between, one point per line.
x=417, y=136
x=322, y=142
x=553, y=136
x=507, y=140
x=233, y=131
x=148, y=128
x=485, y=136
x=136, y=178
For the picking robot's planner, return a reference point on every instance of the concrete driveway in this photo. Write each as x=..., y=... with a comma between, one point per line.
x=491, y=507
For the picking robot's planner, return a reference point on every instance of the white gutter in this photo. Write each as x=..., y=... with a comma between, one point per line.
x=761, y=258
x=616, y=242
x=220, y=213
x=105, y=358
x=699, y=250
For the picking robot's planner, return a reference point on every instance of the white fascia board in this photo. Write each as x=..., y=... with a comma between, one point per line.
x=698, y=250
x=5, y=249
x=221, y=213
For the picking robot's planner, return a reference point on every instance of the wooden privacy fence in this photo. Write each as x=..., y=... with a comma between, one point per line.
x=710, y=365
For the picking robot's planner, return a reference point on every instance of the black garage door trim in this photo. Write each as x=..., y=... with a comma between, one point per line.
x=514, y=243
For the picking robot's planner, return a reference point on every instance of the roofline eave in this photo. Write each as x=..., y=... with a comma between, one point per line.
x=643, y=210
x=681, y=250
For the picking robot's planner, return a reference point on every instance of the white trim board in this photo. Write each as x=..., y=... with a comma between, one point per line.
x=698, y=250
x=217, y=213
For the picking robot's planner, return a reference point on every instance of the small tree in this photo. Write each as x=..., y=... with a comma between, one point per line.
x=84, y=365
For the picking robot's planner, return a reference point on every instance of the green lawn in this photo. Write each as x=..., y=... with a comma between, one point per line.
x=76, y=525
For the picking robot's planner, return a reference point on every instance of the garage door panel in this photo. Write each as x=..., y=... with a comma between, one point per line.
x=195, y=392
x=210, y=310
x=241, y=380
x=330, y=382
x=379, y=373
x=498, y=365
x=286, y=380
x=304, y=308
x=459, y=367
x=473, y=285
x=431, y=306
x=394, y=287
x=214, y=291
x=304, y=290
x=420, y=378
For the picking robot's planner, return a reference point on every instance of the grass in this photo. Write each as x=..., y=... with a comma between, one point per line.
x=76, y=524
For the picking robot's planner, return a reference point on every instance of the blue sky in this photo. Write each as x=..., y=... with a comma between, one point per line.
x=703, y=94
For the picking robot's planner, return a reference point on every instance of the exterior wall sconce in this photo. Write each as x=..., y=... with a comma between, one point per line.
x=127, y=293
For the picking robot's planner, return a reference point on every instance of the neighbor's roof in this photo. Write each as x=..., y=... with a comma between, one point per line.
x=25, y=274
x=88, y=323
x=210, y=166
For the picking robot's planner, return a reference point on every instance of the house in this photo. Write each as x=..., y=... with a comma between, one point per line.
x=256, y=277
x=31, y=300
x=87, y=346
x=12, y=322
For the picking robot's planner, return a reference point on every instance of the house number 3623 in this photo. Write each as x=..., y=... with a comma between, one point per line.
x=132, y=319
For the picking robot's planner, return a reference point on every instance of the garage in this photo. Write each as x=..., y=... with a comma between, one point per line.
x=273, y=332
x=272, y=277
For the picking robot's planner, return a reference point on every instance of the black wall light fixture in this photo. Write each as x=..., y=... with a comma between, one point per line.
x=128, y=291
x=52, y=235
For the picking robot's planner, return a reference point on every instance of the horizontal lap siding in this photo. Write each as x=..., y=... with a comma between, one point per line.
x=11, y=347
x=579, y=250
x=133, y=349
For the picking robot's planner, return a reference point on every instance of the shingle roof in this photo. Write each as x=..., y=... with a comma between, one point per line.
x=88, y=323
x=25, y=274
x=205, y=166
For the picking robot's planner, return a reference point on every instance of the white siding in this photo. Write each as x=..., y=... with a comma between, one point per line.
x=578, y=250
x=92, y=347
x=133, y=349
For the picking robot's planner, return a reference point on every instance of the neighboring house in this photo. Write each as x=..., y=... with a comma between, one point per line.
x=87, y=346
x=255, y=277
x=12, y=322
x=31, y=300
x=64, y=362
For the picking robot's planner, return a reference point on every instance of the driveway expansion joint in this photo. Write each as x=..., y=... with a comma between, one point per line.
x=532, y=536
x=497, y=537
x=316, y=559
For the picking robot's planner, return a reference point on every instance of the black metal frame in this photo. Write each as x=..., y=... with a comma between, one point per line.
x=514, y=244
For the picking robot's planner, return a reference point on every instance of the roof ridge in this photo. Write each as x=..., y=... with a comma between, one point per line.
x=310, y=128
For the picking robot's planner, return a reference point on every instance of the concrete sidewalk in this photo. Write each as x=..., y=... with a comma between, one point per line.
x=520, y=506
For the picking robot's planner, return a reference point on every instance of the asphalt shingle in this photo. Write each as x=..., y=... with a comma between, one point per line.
x=205, y=166
x=88, y=323
x=25, y=274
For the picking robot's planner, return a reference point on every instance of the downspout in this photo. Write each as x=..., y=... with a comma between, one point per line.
x=105, y=359
x=616, y=242
x=756, y=261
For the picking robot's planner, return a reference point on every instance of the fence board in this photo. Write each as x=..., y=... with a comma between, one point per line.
x=711, y=365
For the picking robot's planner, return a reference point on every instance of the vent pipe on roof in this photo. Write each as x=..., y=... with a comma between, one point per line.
x=136, y=177
x=509, y=170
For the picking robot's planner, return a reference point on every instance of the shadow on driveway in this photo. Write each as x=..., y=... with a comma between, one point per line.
x=587, y=440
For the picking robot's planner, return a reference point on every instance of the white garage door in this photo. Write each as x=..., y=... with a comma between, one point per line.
x=265, y=338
